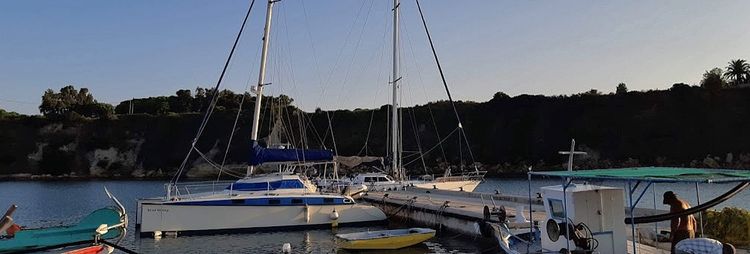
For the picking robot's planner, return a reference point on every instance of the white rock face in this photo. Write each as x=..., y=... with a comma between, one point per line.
x=37, y=156
x=102, y=159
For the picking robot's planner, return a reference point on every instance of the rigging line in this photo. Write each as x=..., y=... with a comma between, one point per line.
x=209, y=161
x=356, y=44
x=315, y=130
x=19, y=102
x=421, y=81
x=340, y=53
x=442, y=77
x=285, y=110
x=354, y=54
x=416, y=137
x=231, y=135
x=214, y=96
x=301, y=128
x=435, y=146
x=367, y=137
x=333, y=138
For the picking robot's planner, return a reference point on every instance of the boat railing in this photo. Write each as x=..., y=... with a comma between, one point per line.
x=191, y=190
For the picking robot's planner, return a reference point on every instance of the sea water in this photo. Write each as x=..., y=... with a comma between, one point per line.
x=51, y=203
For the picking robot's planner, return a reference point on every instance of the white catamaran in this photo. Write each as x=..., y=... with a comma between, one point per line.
x=278, y=200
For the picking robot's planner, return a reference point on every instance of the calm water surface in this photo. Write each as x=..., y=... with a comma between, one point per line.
x=45, y=203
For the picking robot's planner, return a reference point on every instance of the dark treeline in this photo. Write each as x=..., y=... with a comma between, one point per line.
x=682, y=126
x=695, y=126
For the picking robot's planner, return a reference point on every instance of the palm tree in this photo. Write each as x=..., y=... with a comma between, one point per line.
x=739, y=71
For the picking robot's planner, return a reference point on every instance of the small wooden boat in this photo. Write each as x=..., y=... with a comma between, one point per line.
x=104, y=223
x=385, y=239
x=96, y=249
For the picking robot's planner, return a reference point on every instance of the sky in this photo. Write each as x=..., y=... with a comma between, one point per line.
x=336, y=54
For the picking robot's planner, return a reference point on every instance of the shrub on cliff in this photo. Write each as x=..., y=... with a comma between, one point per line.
x=71, y=103
x=731, y=225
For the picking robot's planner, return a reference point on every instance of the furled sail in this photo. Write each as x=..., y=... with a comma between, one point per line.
x=353, y=161
x=260, y=155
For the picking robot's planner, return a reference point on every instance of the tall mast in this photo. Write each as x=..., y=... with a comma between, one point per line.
x=261, y=78
x=395, y=120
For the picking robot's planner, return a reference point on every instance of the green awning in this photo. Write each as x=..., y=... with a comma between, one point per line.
x=655, y=174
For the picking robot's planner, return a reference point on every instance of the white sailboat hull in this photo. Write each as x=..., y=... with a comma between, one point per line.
x=190, y=218
x=465, y=185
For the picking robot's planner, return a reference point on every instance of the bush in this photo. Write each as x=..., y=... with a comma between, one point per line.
x=730, y=225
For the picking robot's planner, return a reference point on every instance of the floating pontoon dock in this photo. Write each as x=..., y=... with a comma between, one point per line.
x=464, y=212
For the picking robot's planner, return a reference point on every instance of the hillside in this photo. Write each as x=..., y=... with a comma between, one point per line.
x=682, y=126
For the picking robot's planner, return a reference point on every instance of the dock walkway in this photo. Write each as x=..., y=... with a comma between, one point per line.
x=464, y=212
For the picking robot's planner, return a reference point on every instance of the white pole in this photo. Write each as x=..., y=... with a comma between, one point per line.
x=572, y=150
x=261, y=78
x=395, y=121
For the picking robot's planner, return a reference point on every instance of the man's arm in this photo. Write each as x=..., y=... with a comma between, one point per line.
x=675, y=222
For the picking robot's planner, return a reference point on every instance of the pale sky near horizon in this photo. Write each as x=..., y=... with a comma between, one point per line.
x=336, y=53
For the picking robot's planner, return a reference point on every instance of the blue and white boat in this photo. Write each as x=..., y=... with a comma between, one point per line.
x=278, y=200
x=282, y=199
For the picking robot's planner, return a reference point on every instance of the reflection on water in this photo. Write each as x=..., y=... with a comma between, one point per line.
x=44, y=203
x=47, y=203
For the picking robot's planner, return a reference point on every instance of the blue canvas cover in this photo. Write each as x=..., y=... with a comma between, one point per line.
x=260, y=155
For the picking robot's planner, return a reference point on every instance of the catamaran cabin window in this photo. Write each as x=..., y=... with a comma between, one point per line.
x=556, y=207
x=238, y=201
x=328, y=200
x=274, y=201
x=369, y=179
x=297, y=201
x=382, y=179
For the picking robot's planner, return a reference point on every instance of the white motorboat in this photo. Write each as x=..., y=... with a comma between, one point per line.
x=279, y=200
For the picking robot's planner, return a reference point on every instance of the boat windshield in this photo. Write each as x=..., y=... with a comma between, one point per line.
x=270, y=185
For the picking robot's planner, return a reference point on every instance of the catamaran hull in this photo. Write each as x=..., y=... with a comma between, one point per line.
x=467, y=185
x=188, y=219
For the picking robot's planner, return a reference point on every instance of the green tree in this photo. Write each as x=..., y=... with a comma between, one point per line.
x=738, y=71
x=713, y=80
x=8, y=114
x=182, y=103
x=621, y=89
x=70, y=102
x=500, y=96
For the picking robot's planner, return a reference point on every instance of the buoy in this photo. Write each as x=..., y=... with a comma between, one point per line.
x=334, y=218
x=157, y=234
x=286, y=248
x=171, y=233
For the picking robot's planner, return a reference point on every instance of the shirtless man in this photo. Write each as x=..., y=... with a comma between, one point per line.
x=682, y=227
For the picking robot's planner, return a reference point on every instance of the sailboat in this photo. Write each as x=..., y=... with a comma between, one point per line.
x=282, y=199
x=467, y=181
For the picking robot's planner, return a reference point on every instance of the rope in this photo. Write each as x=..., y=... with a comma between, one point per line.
x=435, y=146
x=231, y=136
x=445, y=84
x=118, y=247
x=214, y=96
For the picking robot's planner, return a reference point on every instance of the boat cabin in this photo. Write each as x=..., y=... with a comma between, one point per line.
x=594, y=217
x=373, y=179
x=274, y=182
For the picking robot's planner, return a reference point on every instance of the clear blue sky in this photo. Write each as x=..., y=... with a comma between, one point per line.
x=336, y=54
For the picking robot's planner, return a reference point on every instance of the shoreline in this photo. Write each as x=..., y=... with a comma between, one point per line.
x=65, y=178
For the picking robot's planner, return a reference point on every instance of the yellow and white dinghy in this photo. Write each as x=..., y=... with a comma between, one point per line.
x=384, y=239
